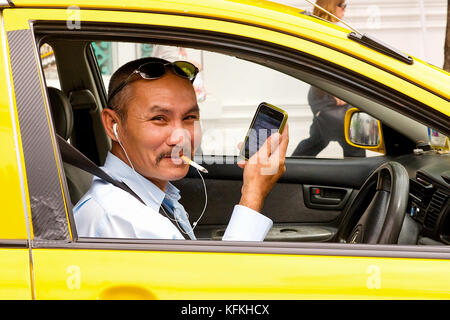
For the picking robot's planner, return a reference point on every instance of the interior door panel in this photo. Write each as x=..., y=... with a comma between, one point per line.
x=298, y=212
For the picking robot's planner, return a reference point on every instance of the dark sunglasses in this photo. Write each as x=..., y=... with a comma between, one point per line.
x=155, y=70
x=342, y=5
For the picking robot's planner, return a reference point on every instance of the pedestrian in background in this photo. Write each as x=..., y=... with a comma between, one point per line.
x=328, y=111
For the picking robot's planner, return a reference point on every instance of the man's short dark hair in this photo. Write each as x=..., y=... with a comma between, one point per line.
x=118, y=102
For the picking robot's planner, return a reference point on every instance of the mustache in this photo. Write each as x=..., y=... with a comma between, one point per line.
x=174, y=152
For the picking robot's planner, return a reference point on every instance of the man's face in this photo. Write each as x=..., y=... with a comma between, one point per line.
x=161, y=120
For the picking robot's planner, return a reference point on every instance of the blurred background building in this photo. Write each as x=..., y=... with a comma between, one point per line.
x=413, y=26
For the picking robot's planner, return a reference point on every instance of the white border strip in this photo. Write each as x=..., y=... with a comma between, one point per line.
x=16, y=144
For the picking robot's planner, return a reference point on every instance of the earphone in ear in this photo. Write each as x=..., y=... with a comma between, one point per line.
x=115, y=131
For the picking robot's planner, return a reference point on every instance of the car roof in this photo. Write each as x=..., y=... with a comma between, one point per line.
x=275, y=17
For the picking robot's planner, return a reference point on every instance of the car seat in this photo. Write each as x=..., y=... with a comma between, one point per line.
x=78, y=181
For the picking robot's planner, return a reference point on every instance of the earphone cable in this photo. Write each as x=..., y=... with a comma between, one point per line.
x=194, y=224
x=174, y=220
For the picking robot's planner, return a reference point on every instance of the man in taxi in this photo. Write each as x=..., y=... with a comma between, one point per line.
x=152, y=108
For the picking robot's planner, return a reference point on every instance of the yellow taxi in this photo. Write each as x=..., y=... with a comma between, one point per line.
x=369, y=227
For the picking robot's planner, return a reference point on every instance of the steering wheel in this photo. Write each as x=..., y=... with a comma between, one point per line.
x=376, y=214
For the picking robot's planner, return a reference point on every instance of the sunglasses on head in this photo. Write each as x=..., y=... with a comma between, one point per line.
x=342, y=5
x=156, y=69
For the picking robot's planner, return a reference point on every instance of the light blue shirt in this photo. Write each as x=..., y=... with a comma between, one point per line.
x=106, y=211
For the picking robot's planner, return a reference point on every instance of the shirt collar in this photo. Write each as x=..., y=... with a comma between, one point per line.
x=144, y=188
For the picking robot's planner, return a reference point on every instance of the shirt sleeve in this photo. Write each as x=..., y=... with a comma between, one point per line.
x=247, y=225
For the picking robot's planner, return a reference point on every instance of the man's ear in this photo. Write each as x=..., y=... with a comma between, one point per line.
x=109, y=118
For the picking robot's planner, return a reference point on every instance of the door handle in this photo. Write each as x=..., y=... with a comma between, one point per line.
x=317, y=198
x=325, y=198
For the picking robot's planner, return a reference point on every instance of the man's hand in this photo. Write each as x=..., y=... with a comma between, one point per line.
x=263, y=170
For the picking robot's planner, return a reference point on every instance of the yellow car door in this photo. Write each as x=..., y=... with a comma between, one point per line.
x=68, y=267
x=15, y=263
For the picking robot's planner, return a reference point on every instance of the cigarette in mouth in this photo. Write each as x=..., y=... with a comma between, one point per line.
x=194, y=164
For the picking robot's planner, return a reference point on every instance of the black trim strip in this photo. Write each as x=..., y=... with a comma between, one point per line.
x=252, y=25
x=289, y=248
x=7, y=243
x=259, y=51
x=96, y=73
x=377, y=45
x=48, y=211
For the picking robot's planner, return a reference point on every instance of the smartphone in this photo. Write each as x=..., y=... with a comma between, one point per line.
x=268, y=119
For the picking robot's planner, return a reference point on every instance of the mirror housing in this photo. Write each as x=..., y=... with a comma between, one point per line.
x=363, y=131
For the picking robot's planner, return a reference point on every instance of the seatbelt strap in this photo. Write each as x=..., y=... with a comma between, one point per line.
x=71, y=155
x=74, y=157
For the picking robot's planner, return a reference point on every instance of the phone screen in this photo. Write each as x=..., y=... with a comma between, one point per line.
x=266, y=122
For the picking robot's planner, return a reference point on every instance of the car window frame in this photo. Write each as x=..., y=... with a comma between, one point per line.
x=245, y=247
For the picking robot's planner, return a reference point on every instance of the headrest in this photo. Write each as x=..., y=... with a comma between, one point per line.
x=61, y=111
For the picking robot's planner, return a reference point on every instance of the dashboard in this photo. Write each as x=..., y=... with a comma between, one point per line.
x=429, y=193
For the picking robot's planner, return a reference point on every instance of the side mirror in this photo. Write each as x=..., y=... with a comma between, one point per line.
x=363, y=131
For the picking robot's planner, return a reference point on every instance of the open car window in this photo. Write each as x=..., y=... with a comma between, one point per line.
x=311, y=201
